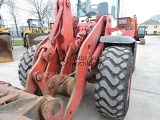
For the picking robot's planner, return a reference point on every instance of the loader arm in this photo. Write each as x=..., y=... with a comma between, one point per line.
x=62, y=24
x=86, y=50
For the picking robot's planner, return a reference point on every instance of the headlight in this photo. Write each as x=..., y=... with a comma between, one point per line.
x=122, y=21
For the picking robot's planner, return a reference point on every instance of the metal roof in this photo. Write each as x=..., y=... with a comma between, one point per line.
x=151, y=22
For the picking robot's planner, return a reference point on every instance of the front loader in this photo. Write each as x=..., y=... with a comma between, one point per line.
x=5, y=43
x=34, y=33
x=79, y=49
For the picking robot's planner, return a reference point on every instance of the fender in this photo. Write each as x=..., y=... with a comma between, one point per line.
x=120, y=41
x=117, y=39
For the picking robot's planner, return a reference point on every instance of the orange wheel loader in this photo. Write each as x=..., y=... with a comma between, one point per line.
x=80, y=48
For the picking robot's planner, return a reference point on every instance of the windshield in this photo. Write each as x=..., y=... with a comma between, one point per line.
x=92, y=7
x=36, y=24
x=141, y=30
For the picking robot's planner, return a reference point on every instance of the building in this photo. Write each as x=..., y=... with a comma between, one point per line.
x=13, y=32
x=152, y=27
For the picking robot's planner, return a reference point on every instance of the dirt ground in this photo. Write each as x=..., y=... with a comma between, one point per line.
x=145, y=90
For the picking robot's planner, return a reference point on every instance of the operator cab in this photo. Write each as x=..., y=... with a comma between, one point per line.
x=89, y=8
x=34, y=23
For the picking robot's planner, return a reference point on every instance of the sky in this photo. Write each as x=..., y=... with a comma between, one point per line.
x=143, y=9
x=24, y=15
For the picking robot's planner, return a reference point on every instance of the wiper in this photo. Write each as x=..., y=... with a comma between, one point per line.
x=83, y=10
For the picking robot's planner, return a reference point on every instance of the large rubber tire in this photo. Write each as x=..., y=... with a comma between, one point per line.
x=134, y=57
x=26, y=64
x=27, y=41
x=113, y=80
x=24, y=41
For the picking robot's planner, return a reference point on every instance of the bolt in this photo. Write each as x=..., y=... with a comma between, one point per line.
x=63, y=63
x=49, y=56
x=39, y=76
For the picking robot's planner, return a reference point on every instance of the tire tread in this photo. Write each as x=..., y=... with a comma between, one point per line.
x=25, y=65
x=110, y=86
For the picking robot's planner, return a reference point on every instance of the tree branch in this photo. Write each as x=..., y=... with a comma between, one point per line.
x=41, y=8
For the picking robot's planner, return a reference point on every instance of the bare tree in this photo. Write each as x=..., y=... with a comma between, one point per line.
x=50, y=17
x=156, y=17
x=14, y=13
x=40, y=8
x=2, y=2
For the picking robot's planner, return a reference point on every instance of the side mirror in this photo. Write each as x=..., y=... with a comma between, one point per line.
x=141, y=31
x=123, y=22
x=29, y=20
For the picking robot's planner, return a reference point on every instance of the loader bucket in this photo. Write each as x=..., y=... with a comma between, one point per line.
x=5, y=49
x=31, y=38
x=15, y=104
